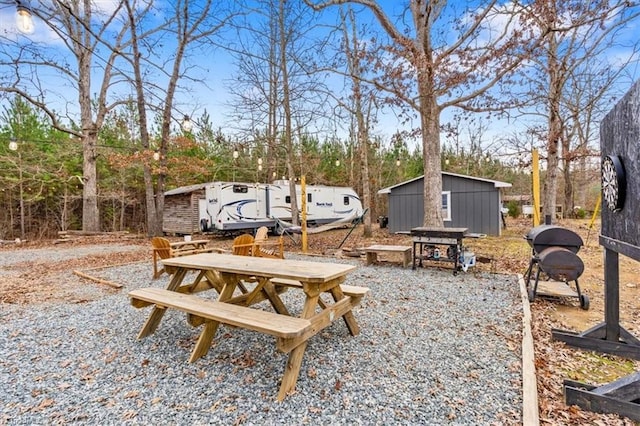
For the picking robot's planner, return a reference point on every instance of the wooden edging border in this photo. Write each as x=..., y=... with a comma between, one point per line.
x=530, y=416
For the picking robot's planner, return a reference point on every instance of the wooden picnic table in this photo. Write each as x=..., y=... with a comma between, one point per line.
x=232, y=276
x=192, y=244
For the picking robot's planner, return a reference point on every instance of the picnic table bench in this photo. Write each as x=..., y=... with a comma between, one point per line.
x=356, y=292
x=373, y=251
x=278, y=325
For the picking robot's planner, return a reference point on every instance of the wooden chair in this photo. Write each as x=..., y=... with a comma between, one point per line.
x=260, y=246
x=265, y=248
x=162, y=250
x=243, y=245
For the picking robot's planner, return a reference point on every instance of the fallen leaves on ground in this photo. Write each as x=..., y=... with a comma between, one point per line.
x=36, y=281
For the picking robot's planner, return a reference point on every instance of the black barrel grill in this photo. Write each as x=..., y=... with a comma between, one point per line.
x=555, y=254
x=544, y=236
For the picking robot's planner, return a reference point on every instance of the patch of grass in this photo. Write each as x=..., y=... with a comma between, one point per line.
x=509, y=253
x=596, y=368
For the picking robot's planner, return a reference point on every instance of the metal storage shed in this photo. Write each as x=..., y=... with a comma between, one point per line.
x=469, y=202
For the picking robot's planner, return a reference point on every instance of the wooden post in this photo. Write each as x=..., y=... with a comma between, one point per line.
x=303, y=194
x=535, y=177
x=611, y=294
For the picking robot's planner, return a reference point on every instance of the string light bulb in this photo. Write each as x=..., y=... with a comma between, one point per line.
x=187, y=124
x=24, y=20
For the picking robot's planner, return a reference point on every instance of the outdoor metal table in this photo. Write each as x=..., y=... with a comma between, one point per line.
x=427, y=239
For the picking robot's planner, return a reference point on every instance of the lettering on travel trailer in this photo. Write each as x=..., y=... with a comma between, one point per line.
x=232, y=206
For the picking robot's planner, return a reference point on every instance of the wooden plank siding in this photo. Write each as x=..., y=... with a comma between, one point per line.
x=619, y=135
x=181, y=213
x=475, y=204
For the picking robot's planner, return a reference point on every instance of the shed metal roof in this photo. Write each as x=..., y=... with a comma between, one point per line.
x=187, y=189
x=496, y=183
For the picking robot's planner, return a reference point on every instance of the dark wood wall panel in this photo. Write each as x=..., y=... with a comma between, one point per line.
x=620, y=135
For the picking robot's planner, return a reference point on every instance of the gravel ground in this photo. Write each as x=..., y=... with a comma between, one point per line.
x=60, y=254
x=433, y=349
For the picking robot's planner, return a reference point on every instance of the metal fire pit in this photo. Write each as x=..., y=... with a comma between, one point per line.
x=554, y=254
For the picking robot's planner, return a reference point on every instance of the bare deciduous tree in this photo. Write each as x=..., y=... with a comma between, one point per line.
x=191, y=26
x=575, y=35
x=77, y=29
x=276, y=86
x=443, y=58
x=354, y=53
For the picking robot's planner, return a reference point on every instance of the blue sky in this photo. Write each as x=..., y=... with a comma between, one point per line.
x=217, y=67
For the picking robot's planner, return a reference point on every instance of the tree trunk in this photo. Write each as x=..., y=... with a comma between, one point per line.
x=568, y=190
x=152, y=223
x=90, y=212
x=352, y=54
x=581, y=181
x=363, y=135
x=430, y=124
x=21, y=188
x=272, y=130
x=123, y=205
x=286, y=104
x=154, y=228
x=432, y=168
x=550, y=187
x=65, y=206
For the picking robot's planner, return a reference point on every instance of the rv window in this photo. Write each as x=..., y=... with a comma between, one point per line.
x=287, y=199
x=308, y=198
x=242, y=189
x=346, y=201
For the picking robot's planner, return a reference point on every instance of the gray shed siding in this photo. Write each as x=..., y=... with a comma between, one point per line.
x=406, y=208
x=475, y=205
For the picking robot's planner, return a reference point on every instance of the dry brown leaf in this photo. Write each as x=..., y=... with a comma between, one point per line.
x=132, y=394
x=129, y=414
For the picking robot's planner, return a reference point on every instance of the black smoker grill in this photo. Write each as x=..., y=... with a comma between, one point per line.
x=554, y=254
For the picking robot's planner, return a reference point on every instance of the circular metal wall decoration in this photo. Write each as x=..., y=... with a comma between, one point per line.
x=614, y=182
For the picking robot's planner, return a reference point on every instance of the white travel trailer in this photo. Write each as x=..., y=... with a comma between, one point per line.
x=230, y=206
